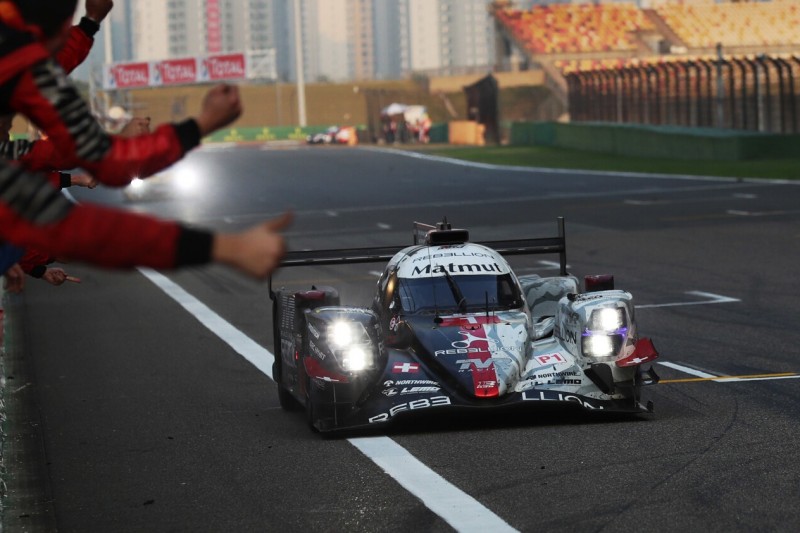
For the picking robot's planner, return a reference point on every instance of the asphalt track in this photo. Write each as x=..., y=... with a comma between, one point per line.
x=145, y=414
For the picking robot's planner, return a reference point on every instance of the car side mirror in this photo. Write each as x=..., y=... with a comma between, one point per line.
x=402, y=337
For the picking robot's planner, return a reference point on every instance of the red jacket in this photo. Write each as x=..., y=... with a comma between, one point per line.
x=78, y=45
x=34, y=213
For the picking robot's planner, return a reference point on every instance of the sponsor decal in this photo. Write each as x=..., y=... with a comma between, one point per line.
x=483, y=344
x=451, y=254
x=223, y=67
x=566, y=335
x=422, y=403
x=565, y=382
x=129, y=75
x=553, y=396
x=313, y=331
x=454, y=268
x=571, y=317
x=486, y=385
x=175, y=71
x=405, y=368
x=474, y=364
x=411, y=390
x=401, y=382
x=456, y=351
x=550, y=358
x=589, y=297
x=316, y=350
x=556, y=374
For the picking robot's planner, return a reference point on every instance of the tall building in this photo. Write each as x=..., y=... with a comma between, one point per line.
x=178, y=28
x=432, y=36
x=341, y=39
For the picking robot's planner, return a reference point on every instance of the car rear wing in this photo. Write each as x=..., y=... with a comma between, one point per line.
x=344, y=256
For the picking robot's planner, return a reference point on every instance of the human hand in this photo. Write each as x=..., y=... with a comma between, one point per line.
x=97, y=10
x=83, y=180
x=256, y=251
x=221, y=106
x=56, y=276
x=14, y=279
x=136, y=126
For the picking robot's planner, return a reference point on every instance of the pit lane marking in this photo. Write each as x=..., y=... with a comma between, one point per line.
x=451, y=504
x=711, y=299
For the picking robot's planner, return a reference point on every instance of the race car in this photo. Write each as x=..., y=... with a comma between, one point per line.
x=451, y=327
x=323, y=137
x=334, y=135
x=180, y=180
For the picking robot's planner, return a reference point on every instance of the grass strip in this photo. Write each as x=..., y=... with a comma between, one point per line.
x=549, y=157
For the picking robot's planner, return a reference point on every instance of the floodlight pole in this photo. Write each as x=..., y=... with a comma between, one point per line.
x=299, y=66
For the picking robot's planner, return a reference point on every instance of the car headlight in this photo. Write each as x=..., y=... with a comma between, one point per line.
x=340, y=334
x=605, y=332
x=351, y=345
x=601, y=345
x=609, y=319
x=136, y=183
x=356, y=358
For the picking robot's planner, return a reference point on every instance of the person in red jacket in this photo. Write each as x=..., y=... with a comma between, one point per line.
x=33, y=213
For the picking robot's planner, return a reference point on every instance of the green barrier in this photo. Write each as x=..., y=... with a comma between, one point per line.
x=440, y=133
x=669, y=142
x=265, y=134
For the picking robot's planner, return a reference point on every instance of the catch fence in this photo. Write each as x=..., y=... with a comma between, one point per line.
x=756, y=93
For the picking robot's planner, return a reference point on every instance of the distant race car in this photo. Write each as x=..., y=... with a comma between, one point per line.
x=333, y=135
x=323, y=137
x=452, y=327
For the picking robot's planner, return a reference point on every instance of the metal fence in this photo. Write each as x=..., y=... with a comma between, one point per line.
x=758, y=93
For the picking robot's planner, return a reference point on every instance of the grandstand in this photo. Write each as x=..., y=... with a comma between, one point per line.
x=738, y=25
x=576, y=28
x=677, y=25
x=749, y=45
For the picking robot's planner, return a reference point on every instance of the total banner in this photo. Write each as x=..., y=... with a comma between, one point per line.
x=184, y=71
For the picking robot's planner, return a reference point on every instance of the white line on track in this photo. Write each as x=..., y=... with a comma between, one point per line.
x=724, y=379
x=460, y=510
x=687, y=370
x=582, y=172
x=711, y=299
x=256, y=354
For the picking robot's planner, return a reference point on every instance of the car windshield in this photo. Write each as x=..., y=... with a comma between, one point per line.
x=440, y=294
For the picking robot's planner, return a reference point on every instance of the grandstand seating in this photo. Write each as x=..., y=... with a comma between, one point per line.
x=609, y=27
x=704, y=24
x=575, y=28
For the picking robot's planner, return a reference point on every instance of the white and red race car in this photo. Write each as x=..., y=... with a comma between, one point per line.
x=452, y=327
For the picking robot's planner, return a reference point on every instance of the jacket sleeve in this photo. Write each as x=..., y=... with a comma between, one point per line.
x=49, y=100
x=42, y=155
x=38, y=156
x=35, y=214
x=34, y=262
x=78, y=45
